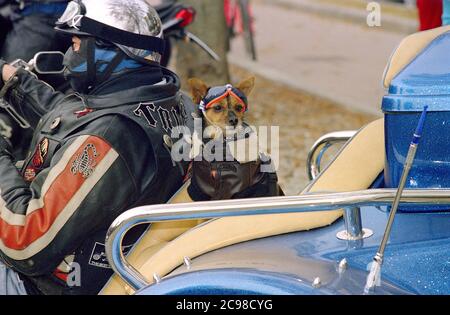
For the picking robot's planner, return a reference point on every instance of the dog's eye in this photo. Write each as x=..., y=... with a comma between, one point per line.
x=218, y=108
x=239, y=108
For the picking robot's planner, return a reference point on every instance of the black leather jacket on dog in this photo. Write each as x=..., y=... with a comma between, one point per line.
x=91, y=158
x=231, y=179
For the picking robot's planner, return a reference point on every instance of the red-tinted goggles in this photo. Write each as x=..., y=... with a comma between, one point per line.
x=218, y=93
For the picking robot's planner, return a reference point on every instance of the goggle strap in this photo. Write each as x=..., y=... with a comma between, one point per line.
x=118, y=36
x=217, y=99
x=239, y=99
x=91, y=66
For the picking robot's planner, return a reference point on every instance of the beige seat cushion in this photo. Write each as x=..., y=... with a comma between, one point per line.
x=408, y=49
x=161, y=251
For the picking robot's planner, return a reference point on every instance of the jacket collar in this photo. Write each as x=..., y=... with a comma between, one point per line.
x=169, y=87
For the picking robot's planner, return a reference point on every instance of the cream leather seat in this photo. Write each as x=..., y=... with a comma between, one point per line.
x=165, y=245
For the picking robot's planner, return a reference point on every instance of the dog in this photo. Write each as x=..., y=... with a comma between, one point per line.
x=222, y=107
x=223, y=110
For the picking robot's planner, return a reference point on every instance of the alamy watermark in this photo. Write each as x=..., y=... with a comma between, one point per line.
x=241, y=144
x=74, y=276
x=374, y=16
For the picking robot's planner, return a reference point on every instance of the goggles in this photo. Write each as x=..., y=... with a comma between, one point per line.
x=72, y=15
x=74, y=21
x=216, y=94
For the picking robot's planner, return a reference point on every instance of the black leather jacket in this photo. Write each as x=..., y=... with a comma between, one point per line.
x=91, y=158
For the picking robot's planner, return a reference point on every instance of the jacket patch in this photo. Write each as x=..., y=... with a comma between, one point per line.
x=37, y=160
x=98, y=256
x=85, y=163
x=154, y=115
x=40, y=153
x=30, y=174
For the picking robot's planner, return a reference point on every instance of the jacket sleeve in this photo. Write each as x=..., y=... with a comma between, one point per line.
x=85, y=187
x=31, y=97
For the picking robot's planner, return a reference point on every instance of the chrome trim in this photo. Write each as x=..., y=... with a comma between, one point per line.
x=242, y=207
x=321, y=146
x=345, y=236
x=353, y=226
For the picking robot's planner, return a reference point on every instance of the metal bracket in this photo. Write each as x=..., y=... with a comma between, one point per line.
x=353, y=226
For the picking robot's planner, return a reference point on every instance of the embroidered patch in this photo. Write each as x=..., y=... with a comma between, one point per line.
x=40, y=153
x=155, y=115
x=30, y=174
x=85, y=162
x=37, y=160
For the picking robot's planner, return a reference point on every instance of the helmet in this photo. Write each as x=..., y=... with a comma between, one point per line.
x=132, y=25
x=116, y=36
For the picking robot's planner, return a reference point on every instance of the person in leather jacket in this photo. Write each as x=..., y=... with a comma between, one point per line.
x=27, y=27
x=95, y=153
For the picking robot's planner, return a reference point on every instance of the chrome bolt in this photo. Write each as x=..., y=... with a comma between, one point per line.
x=343, y=264
x=317, y=283
x=187, y=262
x=156, y=278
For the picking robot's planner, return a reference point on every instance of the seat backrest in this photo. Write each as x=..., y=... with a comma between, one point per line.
x=356, y=167
x=408, y=49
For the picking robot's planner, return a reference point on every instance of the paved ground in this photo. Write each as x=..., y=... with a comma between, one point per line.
x=395, y=17
x=338, y=60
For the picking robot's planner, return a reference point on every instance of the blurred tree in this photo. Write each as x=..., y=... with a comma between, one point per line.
x=210, y=26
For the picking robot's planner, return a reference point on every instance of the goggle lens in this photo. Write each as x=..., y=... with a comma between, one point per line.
x=216, y=94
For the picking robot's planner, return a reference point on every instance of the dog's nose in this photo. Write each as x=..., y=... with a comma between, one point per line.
x=232, y=119
x=233, y=122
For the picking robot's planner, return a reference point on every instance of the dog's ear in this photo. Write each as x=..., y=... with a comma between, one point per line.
x=247, y=85
x=198, y=89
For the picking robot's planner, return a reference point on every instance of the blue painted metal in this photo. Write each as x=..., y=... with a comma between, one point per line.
x=417, y=261
x=424, y=82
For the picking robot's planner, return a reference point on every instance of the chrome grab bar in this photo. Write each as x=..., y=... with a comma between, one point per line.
x=320, y=147
x=242, y=207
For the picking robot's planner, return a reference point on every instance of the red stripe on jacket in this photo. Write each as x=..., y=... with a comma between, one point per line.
x=60, y=192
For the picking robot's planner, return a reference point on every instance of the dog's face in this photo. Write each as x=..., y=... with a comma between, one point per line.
x=227, y=113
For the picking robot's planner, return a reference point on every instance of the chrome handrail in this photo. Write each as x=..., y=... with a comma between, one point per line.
x=319, y=148
x=242, y=207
